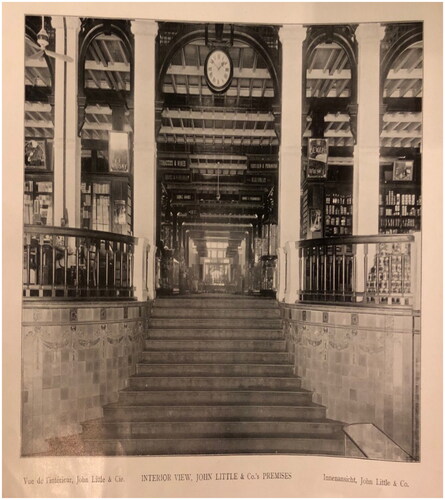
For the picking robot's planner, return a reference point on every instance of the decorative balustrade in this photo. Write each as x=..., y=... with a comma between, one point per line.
x=62, y=262
x=381, y=269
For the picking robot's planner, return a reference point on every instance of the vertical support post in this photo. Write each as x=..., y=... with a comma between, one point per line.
x=293, y=273
x=291, y=37
x=144, y=157
x=59, y=121
x=367, y=150
x=366, y=183
x=66, y=140
x=282, y=271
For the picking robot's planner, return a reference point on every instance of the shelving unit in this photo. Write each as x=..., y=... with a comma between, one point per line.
x=38, y=200
x=400, y=203
x=106, y=204
x=337, y=213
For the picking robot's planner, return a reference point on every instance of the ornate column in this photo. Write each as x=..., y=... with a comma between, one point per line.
x=291, y=38
x=67, y=168
x=367, y=150
x=144, y=157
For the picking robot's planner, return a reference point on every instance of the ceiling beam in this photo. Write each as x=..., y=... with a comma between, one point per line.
x=405, y=74
x=232, y=92
x=37, y=107
x=257, y=73
x=319, y=74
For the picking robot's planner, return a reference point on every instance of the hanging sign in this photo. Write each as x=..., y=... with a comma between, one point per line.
x=173, y=162
x=118, y=152
x=263, y=164
x=176, y=177
x=317, y=167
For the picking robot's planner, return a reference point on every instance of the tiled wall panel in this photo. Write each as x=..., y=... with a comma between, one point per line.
x=364, y=365
x=75, y=358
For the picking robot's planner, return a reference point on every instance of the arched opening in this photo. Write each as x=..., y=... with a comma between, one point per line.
x=106, y=119
x=217, y=166
x=39, y=126
x=401, y=135
x=328, y=139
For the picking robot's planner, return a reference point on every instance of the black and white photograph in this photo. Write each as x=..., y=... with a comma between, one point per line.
x=222, y=240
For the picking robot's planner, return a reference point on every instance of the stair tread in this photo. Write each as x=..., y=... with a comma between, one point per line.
x=213, y=405
x=296, y=435
x=237, y=391
x=272, y=377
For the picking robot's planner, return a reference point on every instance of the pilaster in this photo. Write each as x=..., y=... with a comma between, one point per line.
x=144, y=154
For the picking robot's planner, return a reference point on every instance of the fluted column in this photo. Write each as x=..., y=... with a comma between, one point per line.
x=144, y=167
x=67, y=166
x=291, y=38
x=366, y=151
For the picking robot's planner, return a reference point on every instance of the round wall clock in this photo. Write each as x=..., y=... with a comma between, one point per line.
x=218, y=70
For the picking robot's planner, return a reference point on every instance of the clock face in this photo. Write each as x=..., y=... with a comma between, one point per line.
x=218, y=70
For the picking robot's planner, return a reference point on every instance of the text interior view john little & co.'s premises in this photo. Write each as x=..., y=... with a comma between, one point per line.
x=221, y=238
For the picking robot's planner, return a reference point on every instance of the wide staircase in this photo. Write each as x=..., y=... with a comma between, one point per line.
x=214, y=378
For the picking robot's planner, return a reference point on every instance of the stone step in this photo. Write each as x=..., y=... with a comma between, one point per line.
x=209, y=357
x=220, y=303
x=151, y=413
x=190, y=312
x=229, y=370
x=215, y=333
x=139, y=382
x=216, y=397
x=252, y=323
x=307, y=445
x=216, y=345
x=209, y=429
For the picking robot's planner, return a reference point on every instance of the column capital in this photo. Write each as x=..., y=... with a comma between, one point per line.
x=369, y=32
x=144, y=27
x=72, y=23
x=57, y=22
x=292, y=33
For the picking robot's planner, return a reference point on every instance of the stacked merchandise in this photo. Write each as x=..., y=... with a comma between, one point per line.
x=399, y=211
x=390, y=277
x=338, y=214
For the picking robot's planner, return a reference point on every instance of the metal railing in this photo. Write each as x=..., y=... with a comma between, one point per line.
x=61, y=262
x=376, y=269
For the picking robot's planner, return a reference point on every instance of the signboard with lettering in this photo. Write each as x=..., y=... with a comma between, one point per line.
x=173, y=162
x=263, y=164
x=183, y=196
x=251, y=197
x=176, y=177
x=317, y=167
x=257, y=179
